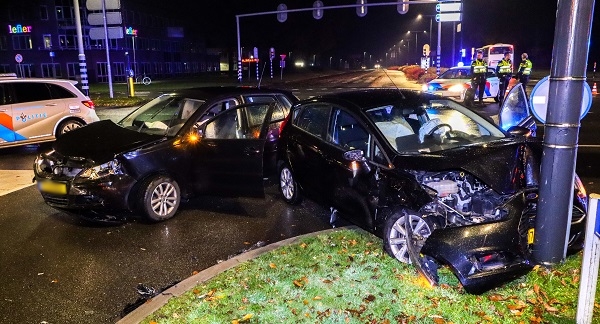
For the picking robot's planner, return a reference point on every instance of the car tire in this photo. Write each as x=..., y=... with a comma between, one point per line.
x=288, y=186
x=497, y=97
x=394, y=240
x=159, y=198
x=67, y=126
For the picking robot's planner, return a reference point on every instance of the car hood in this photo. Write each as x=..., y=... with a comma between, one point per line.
x=101, y=141
x=504, y=165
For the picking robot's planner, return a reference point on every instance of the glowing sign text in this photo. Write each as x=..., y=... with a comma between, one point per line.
x=18, y=29
x=130, y=31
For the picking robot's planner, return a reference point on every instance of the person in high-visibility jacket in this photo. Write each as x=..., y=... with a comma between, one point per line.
x=478, y=71
x=504, y=72
x=524, y=71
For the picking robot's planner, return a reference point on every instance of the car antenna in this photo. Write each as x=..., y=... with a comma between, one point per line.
x=261, y=74
x=392, y=81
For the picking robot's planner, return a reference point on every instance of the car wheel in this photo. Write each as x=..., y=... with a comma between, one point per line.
x=395, y=234
x=159, y=198
x=290, y=191
x=68, y=126
x=497, y=97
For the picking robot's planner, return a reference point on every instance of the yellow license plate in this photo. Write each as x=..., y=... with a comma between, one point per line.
x=52, y=187
x=530, y=235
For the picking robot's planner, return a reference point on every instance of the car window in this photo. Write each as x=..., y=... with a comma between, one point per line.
x=314, y=119
x=217, y=108
x=164, y=115
x=280, y=111
x=240, y=123
x=348, y=133
x=31, y=91
x=58, y=92
x=4, y=96
x=456, y=74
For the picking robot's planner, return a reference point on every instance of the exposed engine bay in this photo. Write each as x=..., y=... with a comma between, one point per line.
x=461, y=199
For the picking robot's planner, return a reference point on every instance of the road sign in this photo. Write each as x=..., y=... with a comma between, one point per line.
x=51, y=54
x=282, y=56
x=448, y=7
x=282, y=16
x=113, y=32
x=108, y=5
x=402, y=6
x=426, y=50
x=112, y=18
x=256, y=52
x=448, y=16
x=539, y=100
x=271, y=53
x=19, y=58
x=318, y=13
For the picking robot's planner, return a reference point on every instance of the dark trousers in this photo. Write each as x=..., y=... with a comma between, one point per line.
x=504, y=79
x=478, y=85
x=524, y=79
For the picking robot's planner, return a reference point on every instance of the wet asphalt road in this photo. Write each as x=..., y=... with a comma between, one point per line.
x=58, y=268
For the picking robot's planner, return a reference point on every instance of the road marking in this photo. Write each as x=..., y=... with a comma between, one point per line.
x=13, y=180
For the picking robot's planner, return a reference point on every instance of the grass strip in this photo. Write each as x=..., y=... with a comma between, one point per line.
x=346, y=277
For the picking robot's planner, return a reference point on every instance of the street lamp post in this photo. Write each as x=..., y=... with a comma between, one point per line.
x=416, y=32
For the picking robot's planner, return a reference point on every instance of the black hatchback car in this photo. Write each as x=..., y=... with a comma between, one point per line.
x=218, y=140
x=387, y=158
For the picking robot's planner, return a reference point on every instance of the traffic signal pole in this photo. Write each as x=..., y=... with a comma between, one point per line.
x=567, y=80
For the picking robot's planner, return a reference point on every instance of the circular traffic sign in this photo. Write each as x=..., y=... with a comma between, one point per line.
x=539, y=99
x=19, y=58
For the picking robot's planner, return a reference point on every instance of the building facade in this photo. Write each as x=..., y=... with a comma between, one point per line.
x=39, y=39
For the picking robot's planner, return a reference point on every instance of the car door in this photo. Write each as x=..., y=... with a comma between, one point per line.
x=7, y=134
x=492, y=83
x=355, y=189
x=35, y=112
x=307, y=149
x=228, y=159
x=515, y=110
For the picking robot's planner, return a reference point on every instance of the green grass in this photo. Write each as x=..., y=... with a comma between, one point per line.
x=346, y=277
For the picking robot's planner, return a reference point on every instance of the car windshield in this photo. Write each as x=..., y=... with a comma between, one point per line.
x=164, y=115
x=433, y=125
x=456, y=74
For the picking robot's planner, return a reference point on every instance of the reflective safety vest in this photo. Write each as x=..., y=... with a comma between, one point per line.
x=525, y=67
x=479, y=67
x=504, y=66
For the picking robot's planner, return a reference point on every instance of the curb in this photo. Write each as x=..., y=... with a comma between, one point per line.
x=149, y=307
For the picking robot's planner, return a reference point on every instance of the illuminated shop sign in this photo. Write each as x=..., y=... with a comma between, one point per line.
x=130, y=31
x=18, y=29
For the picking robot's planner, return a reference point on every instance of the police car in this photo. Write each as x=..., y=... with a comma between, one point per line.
x=456, y=83
x=35, y=110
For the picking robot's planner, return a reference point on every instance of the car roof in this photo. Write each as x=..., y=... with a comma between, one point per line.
x=376, y=97
x=213, y=92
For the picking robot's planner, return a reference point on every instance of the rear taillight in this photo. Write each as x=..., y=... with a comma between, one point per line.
x=89, y=104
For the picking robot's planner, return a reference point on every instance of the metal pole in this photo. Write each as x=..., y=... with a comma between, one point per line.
x=565, y=97
x=430, y=25
x=589, y=265
x=82, y=64
x=453, y=41
x=439, y=47
x=134, y=62
x=239, y=48
x=110, y=86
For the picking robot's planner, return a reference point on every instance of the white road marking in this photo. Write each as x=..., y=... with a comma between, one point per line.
x=13, y=180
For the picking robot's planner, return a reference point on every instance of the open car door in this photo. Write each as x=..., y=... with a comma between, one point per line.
x=515, y=110
x=229, y=156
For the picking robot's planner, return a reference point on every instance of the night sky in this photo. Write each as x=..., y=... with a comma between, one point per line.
x=527, y=24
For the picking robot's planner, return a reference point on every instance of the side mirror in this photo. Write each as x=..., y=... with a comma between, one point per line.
x=519, y=131
x=354, y=156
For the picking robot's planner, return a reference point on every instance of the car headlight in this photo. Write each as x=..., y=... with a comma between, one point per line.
x=102, y=170
x=456, y=88
x=425, y=87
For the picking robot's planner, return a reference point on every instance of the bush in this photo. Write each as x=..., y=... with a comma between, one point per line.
x=413, y=72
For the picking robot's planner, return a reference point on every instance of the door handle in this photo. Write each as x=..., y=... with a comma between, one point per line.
x=51, y=105
x=3, y=110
